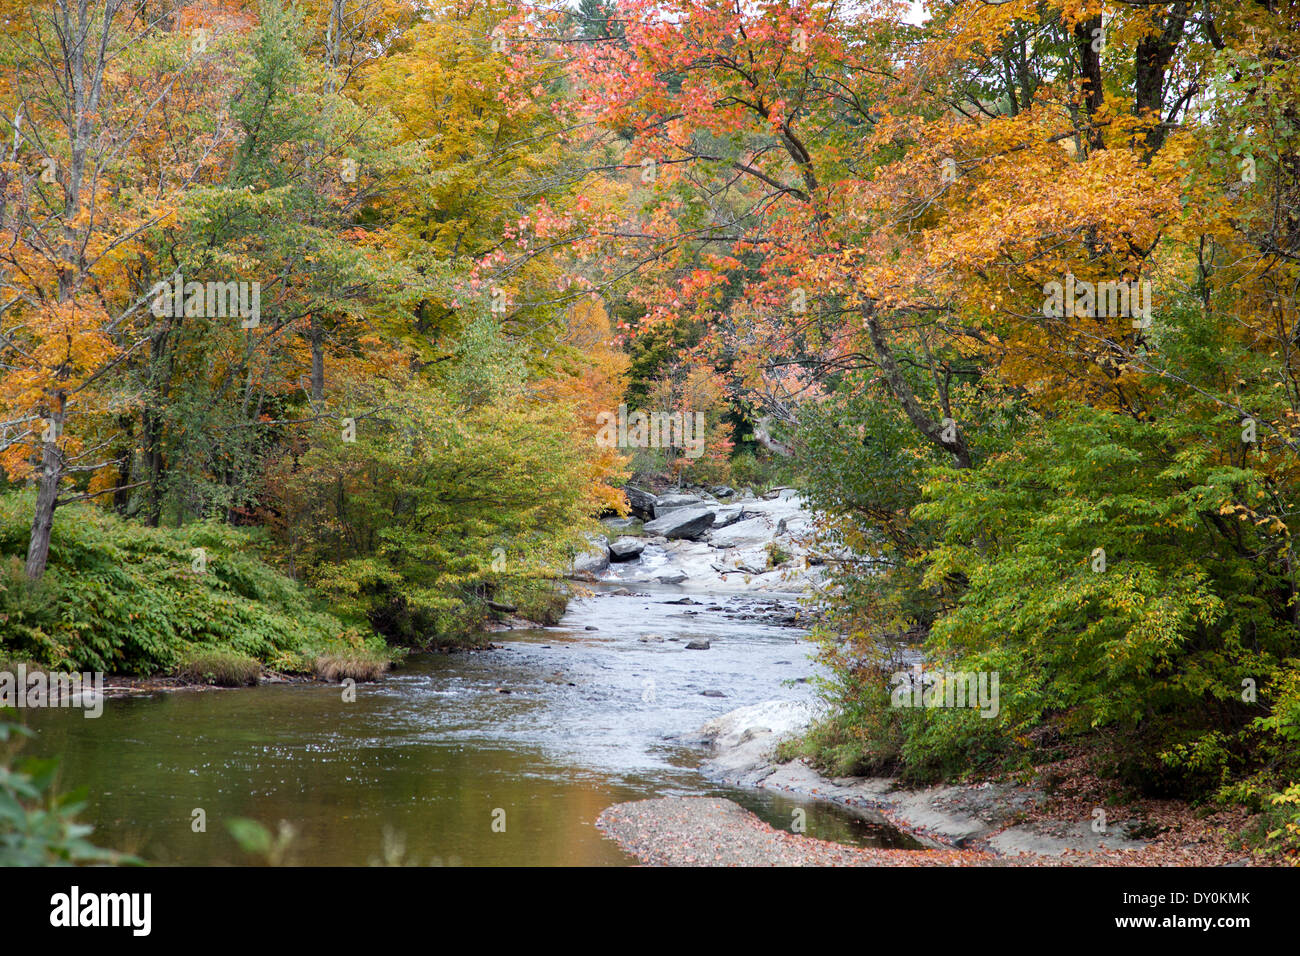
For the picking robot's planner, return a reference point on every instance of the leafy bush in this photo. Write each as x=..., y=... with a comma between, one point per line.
x=37, y=825
x=1116, y=573
x=760, y=470
x=1097, y=582
x=438, y=508
x=122, y=597
x=776, y=555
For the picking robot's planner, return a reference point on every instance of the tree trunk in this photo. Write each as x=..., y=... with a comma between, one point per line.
x=1094, y=95
x=47, y=495
x=1151, y=64
x=151, y=438
x=317, y=364
x=122, y=494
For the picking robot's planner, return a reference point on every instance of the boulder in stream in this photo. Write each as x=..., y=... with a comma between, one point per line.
x=752, y=532
x=626, y=549
x=688, y=523
x=592, y=562
x=666, y=504
x=641, y=502
x=729, y=516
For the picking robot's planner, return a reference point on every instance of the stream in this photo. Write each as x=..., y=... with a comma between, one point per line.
x=551, y=727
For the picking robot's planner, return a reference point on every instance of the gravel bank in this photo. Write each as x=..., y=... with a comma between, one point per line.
x=706, y=831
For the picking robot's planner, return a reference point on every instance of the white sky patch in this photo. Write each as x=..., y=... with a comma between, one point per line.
x=918, y=14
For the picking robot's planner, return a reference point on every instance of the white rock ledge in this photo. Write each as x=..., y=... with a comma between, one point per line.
x=979, y=815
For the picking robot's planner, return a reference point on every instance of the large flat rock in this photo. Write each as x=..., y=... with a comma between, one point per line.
x=626, y=549
x=682, y=523
x=987, y=814
x=667, y=504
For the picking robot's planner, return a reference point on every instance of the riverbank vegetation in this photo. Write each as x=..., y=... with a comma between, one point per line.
x=263, y=349
x=878, y=222
x=1008, y=289
x=124, y=598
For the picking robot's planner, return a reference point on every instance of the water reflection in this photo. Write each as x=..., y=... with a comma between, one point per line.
x=418, y=765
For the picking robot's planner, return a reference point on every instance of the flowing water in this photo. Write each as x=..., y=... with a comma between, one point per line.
x=426, y=766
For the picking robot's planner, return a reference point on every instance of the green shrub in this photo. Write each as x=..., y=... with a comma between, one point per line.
x=37, y=825
x=121, y=597
x=1282, y=833
x=1155, y=642
x=1274, y=790
x=437, y=508
x=543, y=603
x=761, y=470
x=776, y=555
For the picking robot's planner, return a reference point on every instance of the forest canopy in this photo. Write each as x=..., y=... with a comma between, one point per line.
x=1008, y=289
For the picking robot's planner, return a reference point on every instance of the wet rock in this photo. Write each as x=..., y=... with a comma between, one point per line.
x=670, y=503
x=712, y=693
x=641, y=502
x=689, y=523
x=592, y=562
x=650, y=639
x=698, y=646
x=742, y=739
x=753, y=531
x=626, y=549
x=729, y=516
x=684, y=600
x=672, y=577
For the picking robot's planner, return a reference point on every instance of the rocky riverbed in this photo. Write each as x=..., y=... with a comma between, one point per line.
x=734, y=556
x=986, y=816
x=977, y=824
x=715, y=540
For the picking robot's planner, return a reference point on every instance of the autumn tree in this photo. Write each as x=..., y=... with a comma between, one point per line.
x=68, y=319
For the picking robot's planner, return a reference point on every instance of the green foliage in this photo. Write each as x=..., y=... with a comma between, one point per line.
x=122, y=597
x=1274, y=791
x=439, y=506
x=1282, y=832
x=256, y=839
x=37, y=824
x=1115, y=572
x=1157, y=640
x=761, y=470
x=776, y=555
